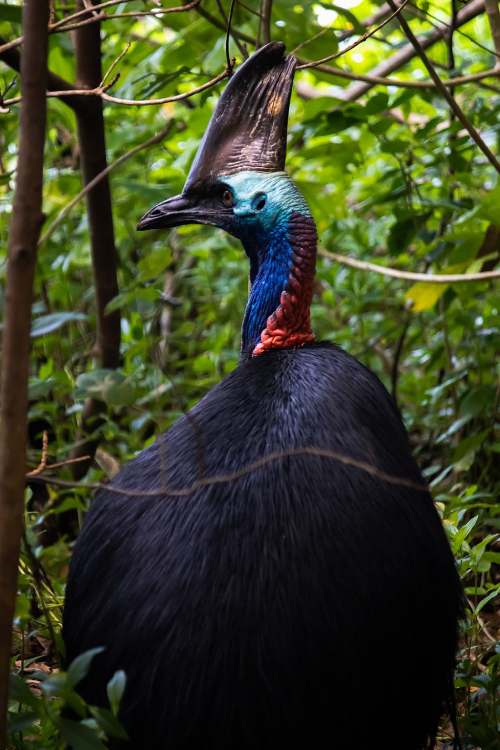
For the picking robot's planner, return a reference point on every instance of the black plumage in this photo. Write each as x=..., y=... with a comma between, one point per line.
x=272, y=572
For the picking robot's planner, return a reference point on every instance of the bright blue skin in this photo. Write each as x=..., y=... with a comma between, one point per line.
x=262, y=206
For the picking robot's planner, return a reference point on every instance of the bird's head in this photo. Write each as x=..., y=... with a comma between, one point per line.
x=237, y=181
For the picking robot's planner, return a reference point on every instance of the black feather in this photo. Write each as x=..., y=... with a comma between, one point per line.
x=305, y=604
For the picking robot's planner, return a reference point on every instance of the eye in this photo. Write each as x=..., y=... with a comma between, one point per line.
x=259, y=201
x=227, y=198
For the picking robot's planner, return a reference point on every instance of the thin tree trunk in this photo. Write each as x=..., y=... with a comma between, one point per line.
x=24, y=232
x=91, y=137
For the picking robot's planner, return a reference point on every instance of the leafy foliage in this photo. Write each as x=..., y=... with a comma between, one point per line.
x=391, y=178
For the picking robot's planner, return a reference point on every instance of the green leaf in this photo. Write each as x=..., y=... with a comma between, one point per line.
x=80, y=736
x=50, y=323
x=470, y=444
x=79, y=667
x=19, y=691
x=477, y=400
x=377, y=104
x=108, y=723
x=19, y=722
x=492, y=595
x=11, y=13
x=115, y=689
x=345, y=13
x=152, y=265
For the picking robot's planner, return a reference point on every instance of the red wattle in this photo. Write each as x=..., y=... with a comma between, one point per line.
x=290, y=324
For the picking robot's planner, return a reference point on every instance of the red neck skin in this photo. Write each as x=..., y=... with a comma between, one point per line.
x=290, y=324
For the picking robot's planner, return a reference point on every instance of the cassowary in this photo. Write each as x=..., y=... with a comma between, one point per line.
x=272, y=572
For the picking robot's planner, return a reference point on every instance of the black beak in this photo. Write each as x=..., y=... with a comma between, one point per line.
x=170, y=213
x=186, y=209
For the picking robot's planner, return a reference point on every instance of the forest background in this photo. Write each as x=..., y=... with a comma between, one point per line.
x=394, y=127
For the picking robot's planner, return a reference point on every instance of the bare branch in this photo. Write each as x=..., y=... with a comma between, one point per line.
x=43, y=459
x=266, y=9
x=101, y=92
x=229, y=62
x=12, y=58
x=362, y=39
x=157, y=138
x=66, y=24
x=457, y=111
x=219, y=25
x=100, y=6
x=378, y=81
x=494, y=19
x=430, y=278
x=426, y=15
x=232, y=476
x=24, y=230
x=407, y=52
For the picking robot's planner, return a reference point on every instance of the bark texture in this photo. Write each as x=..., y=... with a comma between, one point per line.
x=24, y=232
x=91, y=136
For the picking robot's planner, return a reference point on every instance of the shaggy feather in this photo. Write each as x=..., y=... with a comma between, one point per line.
x=305, y=603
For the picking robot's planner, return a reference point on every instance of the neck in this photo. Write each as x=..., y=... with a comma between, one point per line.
x=282, y=265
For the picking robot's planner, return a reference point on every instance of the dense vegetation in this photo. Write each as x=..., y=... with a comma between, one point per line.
x=392, y=178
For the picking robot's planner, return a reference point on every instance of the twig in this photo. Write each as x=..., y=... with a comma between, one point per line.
x=426, y=15
x=481, y=622
x=407, y=51
x=101, y=92
x=12, y=58
x=244, y=471
x=63, y=93
x=397, y=357
x=43, y=459
x=476, y=137
x=164, y=100
x=249, y=9
x=494, y=18
x=114, y=64
x=236, y=33
x=266, y=8
x=229, y=62
x=121, y=159
x=361, y=39
x=431, y=278
x=311, y=39
x=58, y=465
x=374, y=80
x=73, y=94
x=109, y=3
x=65, y=24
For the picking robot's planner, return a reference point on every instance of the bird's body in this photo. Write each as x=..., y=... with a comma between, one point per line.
x=272, y=572
x=265, y=608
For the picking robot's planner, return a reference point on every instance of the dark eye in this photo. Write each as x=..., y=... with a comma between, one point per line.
x=227, y=198
x=259, y=202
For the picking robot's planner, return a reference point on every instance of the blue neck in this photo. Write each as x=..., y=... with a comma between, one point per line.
x=270, y=263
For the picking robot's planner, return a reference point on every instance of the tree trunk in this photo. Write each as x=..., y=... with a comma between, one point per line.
x=24, y=232
x=92, y=141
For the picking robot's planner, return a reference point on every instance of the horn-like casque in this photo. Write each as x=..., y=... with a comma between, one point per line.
x=247, y=131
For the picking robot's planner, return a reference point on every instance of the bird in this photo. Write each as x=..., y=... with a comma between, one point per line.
x=272, y=572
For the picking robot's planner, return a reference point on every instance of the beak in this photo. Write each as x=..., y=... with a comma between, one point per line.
x=171, y=213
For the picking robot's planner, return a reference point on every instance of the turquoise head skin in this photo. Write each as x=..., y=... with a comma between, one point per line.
x=262, y=205
x=262, y=201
